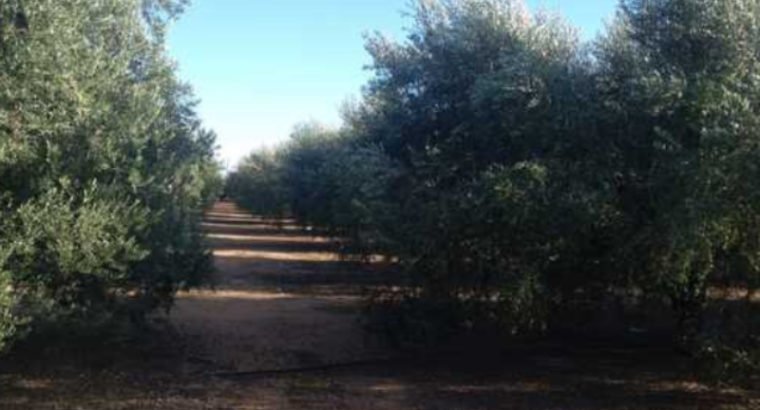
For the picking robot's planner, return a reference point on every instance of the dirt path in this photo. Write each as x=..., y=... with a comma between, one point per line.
x=283, y=300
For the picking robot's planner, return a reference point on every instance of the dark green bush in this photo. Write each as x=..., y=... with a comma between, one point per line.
x=530, y=181
x=104, y=168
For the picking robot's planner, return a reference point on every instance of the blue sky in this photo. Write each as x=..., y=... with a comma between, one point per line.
x=261, y=66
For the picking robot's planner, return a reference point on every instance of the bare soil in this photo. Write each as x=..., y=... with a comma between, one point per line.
x=281, y=330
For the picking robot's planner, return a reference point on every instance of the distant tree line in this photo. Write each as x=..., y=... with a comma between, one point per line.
x=530, y=182
x=104, y=165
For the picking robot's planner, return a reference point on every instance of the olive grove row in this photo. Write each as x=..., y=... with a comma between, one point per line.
x=104, y=166
x=530, y=182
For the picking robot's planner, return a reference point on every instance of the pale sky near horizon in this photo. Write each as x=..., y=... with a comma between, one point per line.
x=261, y=66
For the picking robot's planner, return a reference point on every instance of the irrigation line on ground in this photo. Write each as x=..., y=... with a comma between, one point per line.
x=307, y=369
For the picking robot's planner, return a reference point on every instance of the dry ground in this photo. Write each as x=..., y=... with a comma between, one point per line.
x=284, y=301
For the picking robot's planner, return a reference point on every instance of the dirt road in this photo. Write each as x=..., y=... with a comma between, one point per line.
x=285, y=309
x=282, y=300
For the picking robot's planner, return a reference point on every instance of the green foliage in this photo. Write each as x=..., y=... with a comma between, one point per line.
x=104, y=168
x=323, y=179
x=257, y=183
x=533, y=183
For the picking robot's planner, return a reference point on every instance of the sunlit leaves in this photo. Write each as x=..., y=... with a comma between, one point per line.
x=104, y=168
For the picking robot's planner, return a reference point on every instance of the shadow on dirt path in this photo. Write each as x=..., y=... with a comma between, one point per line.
x=284, y=300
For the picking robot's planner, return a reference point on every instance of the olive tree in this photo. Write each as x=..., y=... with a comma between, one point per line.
x=104, y=166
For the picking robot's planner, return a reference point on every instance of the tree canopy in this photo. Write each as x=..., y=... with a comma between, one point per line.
x=104, y=165
x=533, y=182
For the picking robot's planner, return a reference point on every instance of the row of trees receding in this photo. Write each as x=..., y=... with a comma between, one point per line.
x=104, y=167
x=531, y=183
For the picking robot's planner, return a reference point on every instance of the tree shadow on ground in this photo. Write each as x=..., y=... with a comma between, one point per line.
x=541, y=376
x=291, y=278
